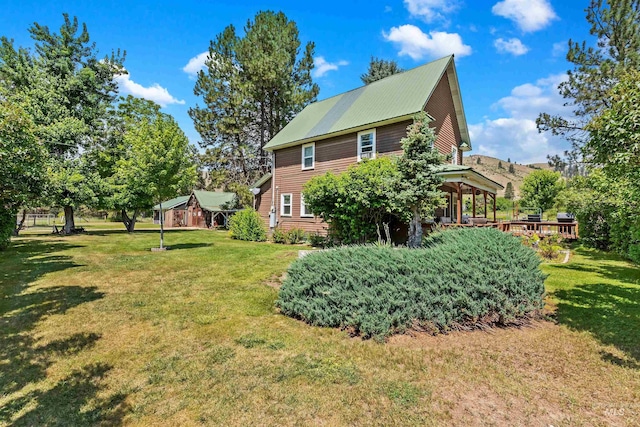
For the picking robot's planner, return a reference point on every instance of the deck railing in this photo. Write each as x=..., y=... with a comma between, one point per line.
x=567, y=230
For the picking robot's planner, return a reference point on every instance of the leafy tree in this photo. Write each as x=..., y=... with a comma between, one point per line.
x=22, y=165
x=615, y=134
x=379, y=69
x=540, y=188
x=159, y=165
x=417, y=187
x=512, y=169
x=129, y=194
x=615, y=24
x=508, y=191
x=66, y=90
x=251, y=88
x=355, y=203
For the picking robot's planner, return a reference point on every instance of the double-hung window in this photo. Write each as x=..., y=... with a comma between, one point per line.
x=308, y=156
x=367, y=144
x=304, y=210
x=454, y=155
x=286, y=204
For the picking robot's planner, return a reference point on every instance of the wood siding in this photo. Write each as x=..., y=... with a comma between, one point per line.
x=336, y=154
x=441, y=108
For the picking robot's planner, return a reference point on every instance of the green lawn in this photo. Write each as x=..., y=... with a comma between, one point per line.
x=96, y=329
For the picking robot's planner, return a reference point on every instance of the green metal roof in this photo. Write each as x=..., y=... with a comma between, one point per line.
x=264, y=178
x=213, y=200
x=397, y=96
x=449, y=168
x=170, y=204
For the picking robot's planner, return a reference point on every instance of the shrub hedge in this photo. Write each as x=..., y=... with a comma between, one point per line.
x=461, y=278
x=247, y=225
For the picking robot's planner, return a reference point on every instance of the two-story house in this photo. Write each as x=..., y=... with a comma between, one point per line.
x=366, y=122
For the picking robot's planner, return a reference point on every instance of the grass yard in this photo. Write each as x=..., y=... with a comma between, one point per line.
x=96, y=329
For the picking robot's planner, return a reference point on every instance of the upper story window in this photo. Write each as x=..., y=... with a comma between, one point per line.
x=367, y=144
x=308, y=156
x=454, y=155
x=286, y=203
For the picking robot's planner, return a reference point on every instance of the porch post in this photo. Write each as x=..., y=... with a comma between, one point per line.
x=485, y=202
x=494, y=208
x=459, y=216
x=473, y=199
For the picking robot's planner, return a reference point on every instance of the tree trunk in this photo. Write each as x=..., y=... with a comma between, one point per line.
x=19, y=226
x=69, y=222
x=161, y=227
x=415, y=230
x=129, y=223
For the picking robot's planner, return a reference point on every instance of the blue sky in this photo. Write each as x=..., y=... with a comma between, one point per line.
x=509, y=53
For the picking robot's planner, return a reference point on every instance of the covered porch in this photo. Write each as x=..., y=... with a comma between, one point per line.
x=463, y=180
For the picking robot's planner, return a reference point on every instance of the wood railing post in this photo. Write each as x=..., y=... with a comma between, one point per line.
x=459, y=216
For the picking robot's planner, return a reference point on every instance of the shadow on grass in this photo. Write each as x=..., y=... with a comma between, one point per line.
x=23, y=361
x=142, y=231
x=189, y=246
x=611, y=312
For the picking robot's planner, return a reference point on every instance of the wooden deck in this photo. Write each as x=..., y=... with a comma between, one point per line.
x=567, y=230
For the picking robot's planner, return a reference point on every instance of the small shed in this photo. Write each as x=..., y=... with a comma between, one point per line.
x=209, y=209
x=175, y=212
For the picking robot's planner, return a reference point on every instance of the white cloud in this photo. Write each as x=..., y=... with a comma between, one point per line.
x=513, y=46
x=196, y=64
x=430, y=10
x=388, y=9
x=559, y=49
x=322, y=67
x=155, y=92
x=529, y=15
x=515, y=134
x=416, y=44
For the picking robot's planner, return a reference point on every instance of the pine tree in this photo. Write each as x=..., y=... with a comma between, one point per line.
x=615, y=25
x=508, y=191
x=508, y=159
x=379, y=69
x=512, y=169
x=500, y=165
x=253, y=85
x=418, y=186
x=478, y=161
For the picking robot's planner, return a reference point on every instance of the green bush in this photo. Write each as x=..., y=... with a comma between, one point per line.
x=461, y=278
x=279, y=236
x=247, y=225
x=296, y=235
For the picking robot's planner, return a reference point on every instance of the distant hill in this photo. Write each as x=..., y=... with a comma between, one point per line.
x=488, y=167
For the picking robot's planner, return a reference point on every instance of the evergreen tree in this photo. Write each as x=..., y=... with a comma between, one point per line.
x=253, y=85
x=478, y=161
x=66, y=89
x=500, y=165
x=417, y=189
x=508, y=159
x=379, y=69
x=512, y=169
x=508, y=191
x=615, y=25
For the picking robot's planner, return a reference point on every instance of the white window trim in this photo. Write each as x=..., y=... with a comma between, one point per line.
x=282, y=205
x=454, y=155
x=302, y=205
x=373, y=151
x=313, y=157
